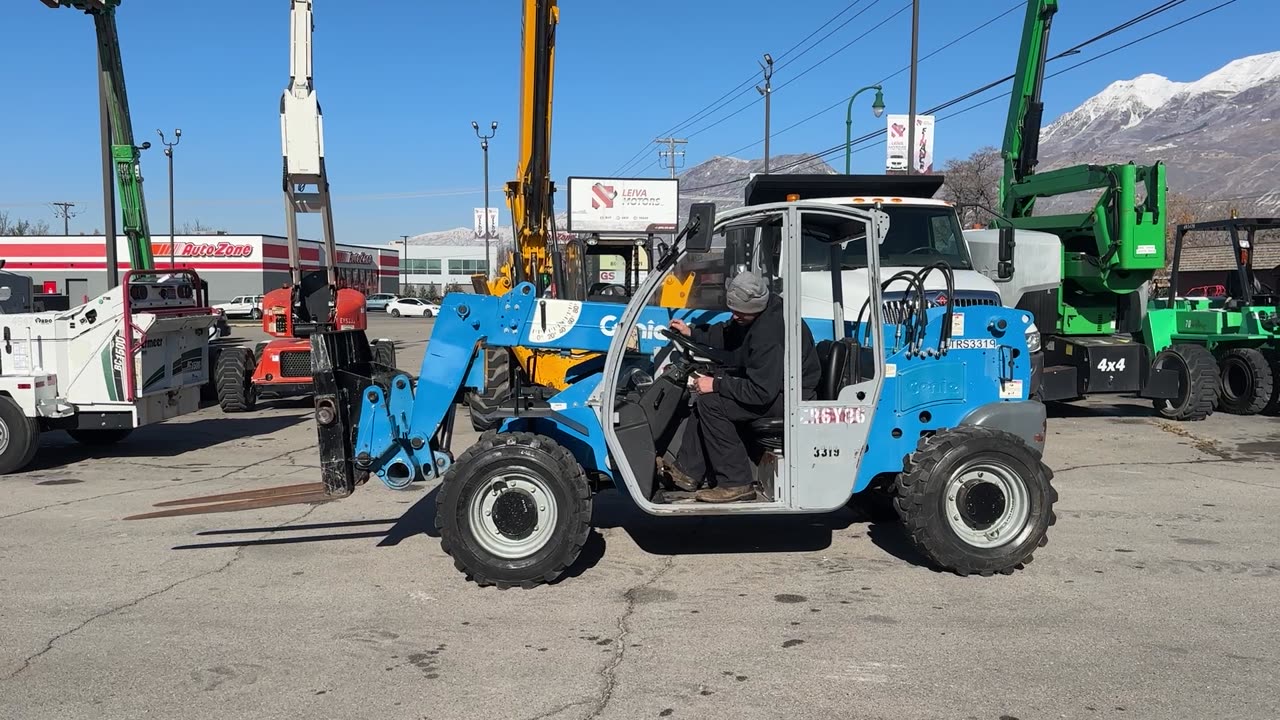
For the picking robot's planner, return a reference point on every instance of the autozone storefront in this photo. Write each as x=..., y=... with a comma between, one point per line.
x=232, y=264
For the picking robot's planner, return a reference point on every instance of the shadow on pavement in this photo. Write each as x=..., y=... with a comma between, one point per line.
x=161, y=440
x=653, y=535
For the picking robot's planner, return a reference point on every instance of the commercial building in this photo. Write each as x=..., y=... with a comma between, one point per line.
x=233, y=265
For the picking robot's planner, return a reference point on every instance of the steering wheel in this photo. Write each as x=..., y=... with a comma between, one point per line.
x=923, y=248
x=693, y=347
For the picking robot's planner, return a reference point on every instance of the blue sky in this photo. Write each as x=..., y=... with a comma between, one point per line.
x=400, y=82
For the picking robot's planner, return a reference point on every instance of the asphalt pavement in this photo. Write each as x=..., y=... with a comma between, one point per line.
x=1155, y=597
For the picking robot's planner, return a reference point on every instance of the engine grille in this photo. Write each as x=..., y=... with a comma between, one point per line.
x=896, y=306
x=295, y=364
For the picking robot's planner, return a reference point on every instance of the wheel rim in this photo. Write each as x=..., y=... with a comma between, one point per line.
x=987, y=504
x=4, y=437
x=513, y=515
x=1237, y=379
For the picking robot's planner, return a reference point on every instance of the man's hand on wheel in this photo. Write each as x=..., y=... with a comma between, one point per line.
x=680, y=327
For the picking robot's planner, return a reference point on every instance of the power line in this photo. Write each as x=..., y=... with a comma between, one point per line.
x=904, y=68
x=846, y=46
x=740, y=89
x=63, y=210
x=671, y=153
x=1071, y=51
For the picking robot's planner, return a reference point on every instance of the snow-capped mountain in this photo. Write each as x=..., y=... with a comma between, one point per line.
x=1219, y=136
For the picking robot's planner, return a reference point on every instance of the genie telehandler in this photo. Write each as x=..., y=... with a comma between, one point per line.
x=926, y=405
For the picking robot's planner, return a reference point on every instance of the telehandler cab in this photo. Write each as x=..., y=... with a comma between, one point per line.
x=932, y=407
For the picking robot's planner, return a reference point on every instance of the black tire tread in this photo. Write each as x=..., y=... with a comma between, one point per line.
x=1263, y=388
x=13, y=417
x=235, y=380
x=571, y=473
x=384, y=353
x=911, y=495
x=1272, y=407
x=1205, y=383
x=497, y=383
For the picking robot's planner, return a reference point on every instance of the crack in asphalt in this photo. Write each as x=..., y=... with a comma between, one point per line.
x=1128, y=463
x=609, y=674
x=560, y=709
x=51, y=642
x=223, y=476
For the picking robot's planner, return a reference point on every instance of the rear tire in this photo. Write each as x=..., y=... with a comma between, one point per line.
x=964, y=484
x=255, y=314
x=99, y=437
x=1247, y=382
x=19, y=437
x=1200, y=385
x=497, y=383
x=236, y=391
x=395, y=312
x=209, y=390
x=529, y=530
x=384, y=354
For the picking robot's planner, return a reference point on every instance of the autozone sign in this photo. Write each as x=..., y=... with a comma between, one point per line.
x=354, y=258
x=219, y=249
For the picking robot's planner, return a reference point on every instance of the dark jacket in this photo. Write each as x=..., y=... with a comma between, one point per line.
x=758, y=371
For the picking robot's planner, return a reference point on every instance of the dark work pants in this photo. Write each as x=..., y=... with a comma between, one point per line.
x=712, y=442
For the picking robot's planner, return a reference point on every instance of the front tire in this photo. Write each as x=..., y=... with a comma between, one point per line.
x=427, y=314
x=236, y=391
x=1199, y=384
x=1247, y=381
x=497, y=381
x=514, y=510
x=976, y=500
x=19, y=437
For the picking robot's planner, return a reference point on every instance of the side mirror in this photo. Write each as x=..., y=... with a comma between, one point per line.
x=5, y=293
x=702, y=218
x=1004, y=268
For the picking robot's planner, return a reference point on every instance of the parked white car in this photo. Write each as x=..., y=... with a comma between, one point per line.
x=242, y=306
x=412, y=307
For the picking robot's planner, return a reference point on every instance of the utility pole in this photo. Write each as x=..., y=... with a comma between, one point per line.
x=766, y=91
x=63, y=210
x=670, y=154
x=168, y=153
x=404, y=264
x=911, y=110
x=484, y=147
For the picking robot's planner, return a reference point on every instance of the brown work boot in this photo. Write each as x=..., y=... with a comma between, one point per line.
x=678, y=477
x=726, y=494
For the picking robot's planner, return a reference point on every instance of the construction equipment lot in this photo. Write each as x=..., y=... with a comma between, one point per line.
x=1154, y=598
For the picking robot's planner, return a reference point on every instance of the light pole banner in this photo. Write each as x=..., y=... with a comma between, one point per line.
x=479, y=221
x=898, y=155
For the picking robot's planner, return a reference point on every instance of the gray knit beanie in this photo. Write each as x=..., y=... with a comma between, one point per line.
x=747, y=293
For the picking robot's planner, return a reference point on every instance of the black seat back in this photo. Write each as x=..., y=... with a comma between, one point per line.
x=839, y=361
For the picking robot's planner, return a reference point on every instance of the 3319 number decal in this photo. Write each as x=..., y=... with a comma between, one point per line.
x=826, y=452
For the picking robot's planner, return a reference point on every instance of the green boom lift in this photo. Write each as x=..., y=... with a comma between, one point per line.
x=117, y=133
x=1100, y=335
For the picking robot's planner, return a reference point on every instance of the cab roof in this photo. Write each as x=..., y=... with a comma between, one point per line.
x=764, y=189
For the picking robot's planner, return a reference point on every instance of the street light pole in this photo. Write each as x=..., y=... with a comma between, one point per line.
x=168, y=153
x=767, y=92
x=911, y=112
x=404, y=264
x=877, y=107
x=484, y=147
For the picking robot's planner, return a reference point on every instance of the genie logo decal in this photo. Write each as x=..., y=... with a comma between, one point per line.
x=646, y=331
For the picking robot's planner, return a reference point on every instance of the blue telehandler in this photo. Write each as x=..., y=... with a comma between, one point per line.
x=928, y=404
